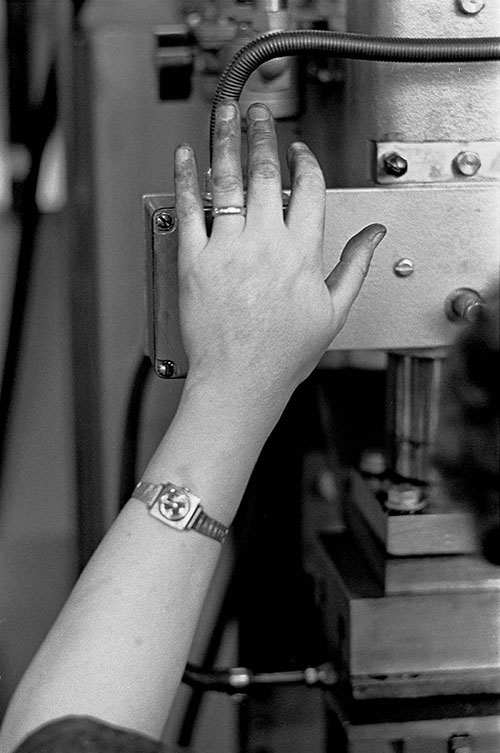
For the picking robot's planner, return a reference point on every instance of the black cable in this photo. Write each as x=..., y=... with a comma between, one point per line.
x=128, y=462
x=350, y=46
x=42, y=120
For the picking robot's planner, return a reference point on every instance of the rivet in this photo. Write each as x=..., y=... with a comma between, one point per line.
x=165, y=222
x=404, y=268
x=470, y=7
x=395, y=164
x=467, y=163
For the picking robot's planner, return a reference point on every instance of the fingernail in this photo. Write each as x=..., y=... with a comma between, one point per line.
x=226, y=111
x=257, y=112
x=377, y=233
x=182, y=156
x=183, y=151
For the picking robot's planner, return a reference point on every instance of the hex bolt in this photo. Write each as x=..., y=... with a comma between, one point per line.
x=165, y=222
x=404, y=268
x=395, y=164
x=405, y=498
x=165, y=369
x=470, y=7
x=467, y=163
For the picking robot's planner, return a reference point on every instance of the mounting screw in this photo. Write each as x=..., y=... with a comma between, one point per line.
x=404, y=268
x=470, y=7
x=467, y=163
x=460, y=744
x=165, y=222
x=166, y=369
x=395, y=164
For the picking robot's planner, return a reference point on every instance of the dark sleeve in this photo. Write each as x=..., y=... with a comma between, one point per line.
x=77, y=734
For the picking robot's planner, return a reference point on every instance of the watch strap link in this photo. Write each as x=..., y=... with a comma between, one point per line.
x=146, y=492
x=208, y=526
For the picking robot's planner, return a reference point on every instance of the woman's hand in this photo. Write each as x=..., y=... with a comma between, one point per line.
x=256, y=312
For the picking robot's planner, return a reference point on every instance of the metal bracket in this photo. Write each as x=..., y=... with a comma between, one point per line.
x=435, y=161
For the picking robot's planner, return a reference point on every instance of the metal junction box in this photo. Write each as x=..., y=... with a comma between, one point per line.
x=440, y=238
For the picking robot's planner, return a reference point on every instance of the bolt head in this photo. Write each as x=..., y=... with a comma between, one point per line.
x=471, y=7
x=467, y=163
x=395, y=164
x=405, y=498
x=165, y=369
x=404, y=268
x=165, y=222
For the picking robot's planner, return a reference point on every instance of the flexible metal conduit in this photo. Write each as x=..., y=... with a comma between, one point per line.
x=277, y=44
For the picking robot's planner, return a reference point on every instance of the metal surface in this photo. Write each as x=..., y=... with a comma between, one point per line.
x=413, y=385
x=433, y=103
x=435, y=161
x=391, y=312
x=445, y=527
x=409, y=644
x=424, y=736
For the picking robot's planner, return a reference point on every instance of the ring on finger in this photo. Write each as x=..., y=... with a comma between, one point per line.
x=229, y=210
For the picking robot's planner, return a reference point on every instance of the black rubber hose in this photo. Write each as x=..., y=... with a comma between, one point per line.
x=277, y=44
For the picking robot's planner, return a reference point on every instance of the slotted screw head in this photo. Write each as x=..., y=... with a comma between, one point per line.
x=404, y=268
x=165, y=222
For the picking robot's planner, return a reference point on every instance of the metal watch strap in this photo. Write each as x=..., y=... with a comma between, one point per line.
x=208, y=526
x=177, y=507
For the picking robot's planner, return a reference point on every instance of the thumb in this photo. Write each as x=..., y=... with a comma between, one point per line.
x=347, y=277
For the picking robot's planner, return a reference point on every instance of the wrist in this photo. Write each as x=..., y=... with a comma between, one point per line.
x=213, y=444
x=237, y=401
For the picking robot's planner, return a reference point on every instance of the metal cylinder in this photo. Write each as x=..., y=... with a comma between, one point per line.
x=432, y=103
x=274, y=83
x=412, y=405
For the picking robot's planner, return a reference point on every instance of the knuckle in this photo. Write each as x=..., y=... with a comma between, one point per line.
x=309, y=178
x=225, y=130
x=225, y=182
x=264, y=169
x=186, y=210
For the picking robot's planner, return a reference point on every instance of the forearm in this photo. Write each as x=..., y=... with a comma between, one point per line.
x=118, y=649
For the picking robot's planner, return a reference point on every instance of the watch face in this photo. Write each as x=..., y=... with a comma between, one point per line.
x=174, y=503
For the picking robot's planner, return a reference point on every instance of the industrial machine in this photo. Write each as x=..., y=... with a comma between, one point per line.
x=403, y=112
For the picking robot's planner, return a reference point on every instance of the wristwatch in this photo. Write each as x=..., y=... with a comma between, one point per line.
x=179, y=508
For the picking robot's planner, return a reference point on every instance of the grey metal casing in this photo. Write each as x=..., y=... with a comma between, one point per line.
x=451, y=233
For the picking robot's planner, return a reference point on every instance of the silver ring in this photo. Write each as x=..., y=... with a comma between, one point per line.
x=221, y=211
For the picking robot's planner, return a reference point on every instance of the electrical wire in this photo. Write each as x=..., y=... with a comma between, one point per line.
x=276, y=44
